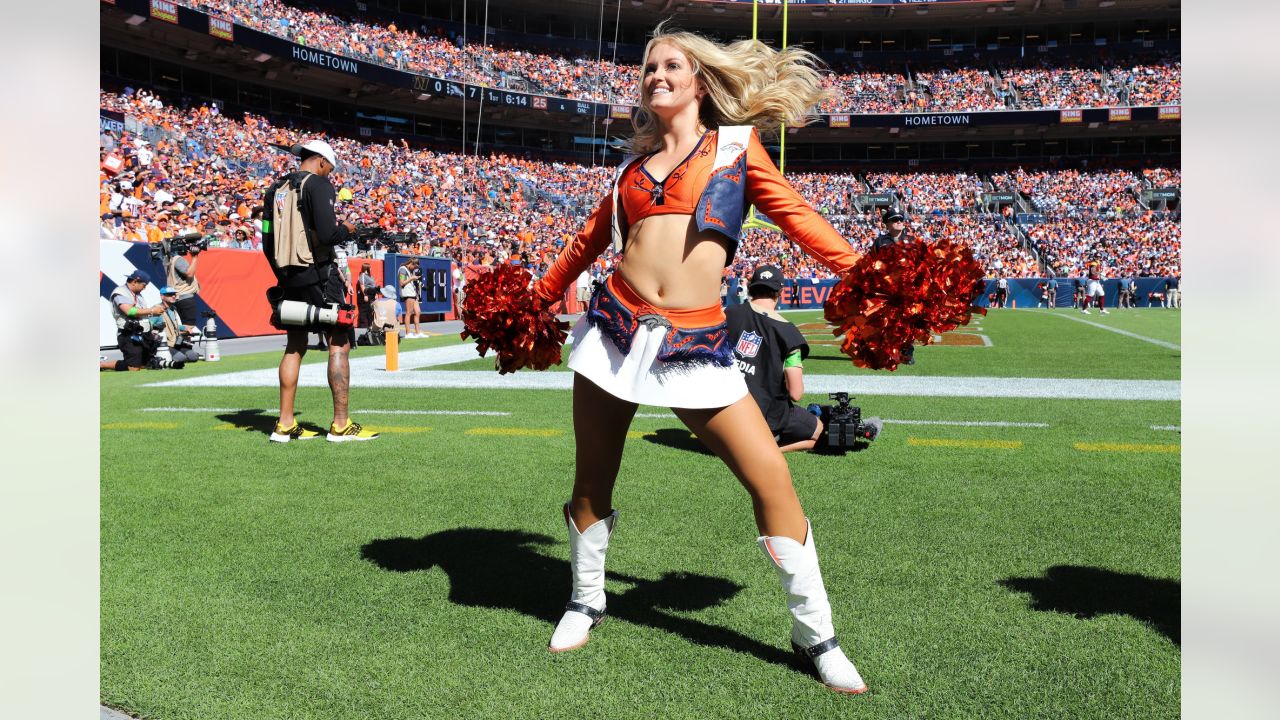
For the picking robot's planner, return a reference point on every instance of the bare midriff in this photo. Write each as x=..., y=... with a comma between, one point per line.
x=672, y=265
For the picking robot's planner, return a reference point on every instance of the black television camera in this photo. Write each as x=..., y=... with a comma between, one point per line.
x=843, y=427
x=179, y=245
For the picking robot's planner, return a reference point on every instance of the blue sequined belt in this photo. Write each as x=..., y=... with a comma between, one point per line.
x=693, y=337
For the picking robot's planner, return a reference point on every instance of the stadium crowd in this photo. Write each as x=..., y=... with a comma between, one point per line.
x=197, y=170
x=857, y=86
x=1152, y=79
x=930, y=192
x=1149, y=244
x=1110, y=193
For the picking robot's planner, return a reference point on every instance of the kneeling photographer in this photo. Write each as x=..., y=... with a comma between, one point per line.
x=177, y=333
x=300, y=232
x=134, y=322
x=770, y=352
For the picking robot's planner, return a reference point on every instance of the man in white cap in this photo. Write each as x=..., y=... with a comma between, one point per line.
x=300, y=235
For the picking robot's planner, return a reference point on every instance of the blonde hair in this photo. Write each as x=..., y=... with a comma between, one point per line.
x=747, y=83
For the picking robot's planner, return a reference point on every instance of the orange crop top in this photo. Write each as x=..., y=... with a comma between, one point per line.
x=642, y=194
x=717, y=198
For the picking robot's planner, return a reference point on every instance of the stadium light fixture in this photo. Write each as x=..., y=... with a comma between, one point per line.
x=1033, y=37
x=922, y=11
x=1106, y=3
x=135, y=20
x=991, y=8
x=262, y=57
x=717, y=9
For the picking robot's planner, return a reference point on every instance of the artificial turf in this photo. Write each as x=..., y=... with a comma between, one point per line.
x=973, y=571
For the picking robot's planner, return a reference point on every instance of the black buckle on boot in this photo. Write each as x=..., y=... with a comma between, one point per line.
x=597, y=616
x=810, y=653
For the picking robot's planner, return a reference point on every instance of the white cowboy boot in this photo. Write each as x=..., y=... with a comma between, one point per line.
x=586, y=606
x=813, y=636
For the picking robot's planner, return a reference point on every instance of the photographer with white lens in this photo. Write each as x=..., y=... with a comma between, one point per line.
x=300, y=232
x=176, y=333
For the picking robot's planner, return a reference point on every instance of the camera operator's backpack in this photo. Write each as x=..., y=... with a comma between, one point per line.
x=292, y=247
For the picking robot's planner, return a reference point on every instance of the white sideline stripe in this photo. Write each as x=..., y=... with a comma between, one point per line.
x=984, y=387
x=1126, y=333
x=969, y=423
x=357, y=411
x=362, y=367
x=1174, y=428
x=368, y=372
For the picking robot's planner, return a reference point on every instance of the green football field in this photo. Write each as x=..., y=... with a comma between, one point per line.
x=1010, y=550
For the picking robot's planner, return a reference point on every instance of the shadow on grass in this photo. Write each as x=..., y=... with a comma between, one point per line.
x=678, y=438
x=504, y=569
x=257, y=421
x=1088, y=592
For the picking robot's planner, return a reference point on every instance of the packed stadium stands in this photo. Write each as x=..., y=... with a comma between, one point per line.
x=198, y=170
x=1100, y=79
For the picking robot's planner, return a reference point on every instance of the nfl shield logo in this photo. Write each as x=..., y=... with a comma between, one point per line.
x=748, y=344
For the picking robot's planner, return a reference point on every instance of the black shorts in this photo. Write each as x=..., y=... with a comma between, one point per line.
x=137, y=353
x=333, y=289
x=798, y=424
x=186, y=308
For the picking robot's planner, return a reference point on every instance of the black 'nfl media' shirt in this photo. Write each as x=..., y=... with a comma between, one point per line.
x=762, y=342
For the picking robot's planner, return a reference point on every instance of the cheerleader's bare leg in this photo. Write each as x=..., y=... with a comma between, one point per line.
x=600, y=423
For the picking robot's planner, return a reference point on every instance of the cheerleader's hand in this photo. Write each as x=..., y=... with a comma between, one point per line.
x=903, y=294
x=504, y=314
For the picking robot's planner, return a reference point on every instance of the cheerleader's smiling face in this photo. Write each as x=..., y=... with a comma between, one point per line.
x=669, y=83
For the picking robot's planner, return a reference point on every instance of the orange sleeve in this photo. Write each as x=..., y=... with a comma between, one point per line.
x=772, y=195
x=578, y=254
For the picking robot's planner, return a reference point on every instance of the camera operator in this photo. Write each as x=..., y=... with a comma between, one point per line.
x=133, y=327
x=181, y=275
x=306, y=270
x=177, y=333
x=769, y=351
x=895, y=224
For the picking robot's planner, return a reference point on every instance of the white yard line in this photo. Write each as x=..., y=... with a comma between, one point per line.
x=368, y=372
x=1126, y=333
x=360, y=411
x=1174, y=428
x=969, y=423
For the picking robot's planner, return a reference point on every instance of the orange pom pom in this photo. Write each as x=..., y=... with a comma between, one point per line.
x=502, y=313
x=900, y=294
